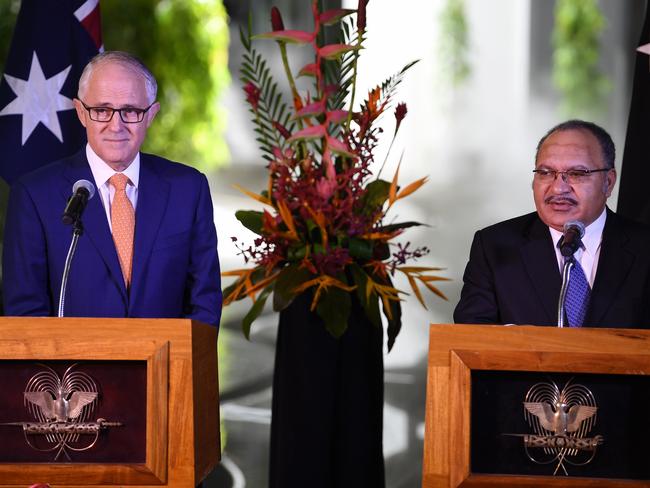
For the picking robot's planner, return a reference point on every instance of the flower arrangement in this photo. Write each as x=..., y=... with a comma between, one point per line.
x=323, y=230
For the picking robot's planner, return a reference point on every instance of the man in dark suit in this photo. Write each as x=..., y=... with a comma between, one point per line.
x=513, y=274
x=149, y=248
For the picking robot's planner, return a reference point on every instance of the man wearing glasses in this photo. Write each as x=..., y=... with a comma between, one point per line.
x=514, y=271
x=149, y=246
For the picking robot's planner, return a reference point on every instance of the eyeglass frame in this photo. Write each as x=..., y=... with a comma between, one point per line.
x=140, y=111
x=565, y=174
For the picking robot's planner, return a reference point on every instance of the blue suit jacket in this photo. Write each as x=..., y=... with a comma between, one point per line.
x=175, y=263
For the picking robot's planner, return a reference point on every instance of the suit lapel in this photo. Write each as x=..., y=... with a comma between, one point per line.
x=614, y=265
x=153, y=192
x=95, y=224
x=540, y=262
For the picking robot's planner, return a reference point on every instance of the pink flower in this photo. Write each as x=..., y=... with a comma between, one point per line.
x=325, y=188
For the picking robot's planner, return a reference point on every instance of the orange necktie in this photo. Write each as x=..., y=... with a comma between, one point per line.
x=123, y=223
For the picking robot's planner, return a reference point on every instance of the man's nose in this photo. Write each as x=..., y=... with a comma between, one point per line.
x=115, y=124
x=560, y=182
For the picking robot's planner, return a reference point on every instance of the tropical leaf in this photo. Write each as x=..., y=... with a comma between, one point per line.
x=333, y=51
x=393, y=313
x=398, y=226
x=289, y=279
x=254, y=196
x=313, y=132
x=334, y=308
x=330, y=17
x=360, y=248
x=310, y=69
x=392, y=192
x=251, y=219
x=376, y=195
x=339, y=147
x=369, y=303
x=290, y=36
x=389, y=86
x=316, y=108
x=411, y=188
x=255, y=311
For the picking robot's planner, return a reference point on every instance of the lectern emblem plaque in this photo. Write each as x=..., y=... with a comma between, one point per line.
x=61, y=409
x=562, y=420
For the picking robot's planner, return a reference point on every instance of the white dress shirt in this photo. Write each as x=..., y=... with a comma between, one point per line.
x=589, y=253
x=102, y=172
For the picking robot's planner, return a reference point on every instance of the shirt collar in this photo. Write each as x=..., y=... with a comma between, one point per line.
x=102, y=171
x=593, y=234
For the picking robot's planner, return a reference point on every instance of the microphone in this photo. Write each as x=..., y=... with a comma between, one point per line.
x=82, y=191
x=571, y=240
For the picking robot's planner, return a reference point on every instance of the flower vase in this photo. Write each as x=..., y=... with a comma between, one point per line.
x=327, y=410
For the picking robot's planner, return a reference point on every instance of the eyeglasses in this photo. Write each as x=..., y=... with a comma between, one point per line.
x=572, y=176
x=129, y=115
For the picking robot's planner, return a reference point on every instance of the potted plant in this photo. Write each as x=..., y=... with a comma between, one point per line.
x=325, y=252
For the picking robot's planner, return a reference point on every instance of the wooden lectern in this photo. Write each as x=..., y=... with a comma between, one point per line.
x=158, y=379
x=459, y=354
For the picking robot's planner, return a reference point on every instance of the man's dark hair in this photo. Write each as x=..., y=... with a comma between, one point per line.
x=604, y=139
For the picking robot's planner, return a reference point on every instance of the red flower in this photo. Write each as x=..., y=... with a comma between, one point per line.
x=361, y=15
x=253, y=94
x=400, y=113
x=276, y=19
x=281, y=129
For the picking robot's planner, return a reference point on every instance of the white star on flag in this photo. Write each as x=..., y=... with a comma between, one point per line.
x=38, y=100
x=645, y=49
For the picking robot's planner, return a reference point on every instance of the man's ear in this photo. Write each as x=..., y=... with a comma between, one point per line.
x=610, y=181
x=81, y=111
x=151, y=113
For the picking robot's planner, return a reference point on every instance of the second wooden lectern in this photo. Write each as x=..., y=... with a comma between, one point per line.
x=526, y=406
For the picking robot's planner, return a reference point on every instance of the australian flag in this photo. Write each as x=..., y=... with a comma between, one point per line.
x=52, y=42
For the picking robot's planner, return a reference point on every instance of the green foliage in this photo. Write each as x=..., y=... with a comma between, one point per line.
x=8, y=13
x=185, y=44
x=454, y=42
x=340, y=71
x=251, y=219
x=576, y=42
x=270, y=106
x=334, y=308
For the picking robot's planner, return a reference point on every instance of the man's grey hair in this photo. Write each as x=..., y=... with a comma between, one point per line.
x=125, y=59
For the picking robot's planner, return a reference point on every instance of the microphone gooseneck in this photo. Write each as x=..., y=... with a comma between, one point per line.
x=82, y=191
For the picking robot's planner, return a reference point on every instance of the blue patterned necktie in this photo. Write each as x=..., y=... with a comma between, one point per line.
x=577, y=295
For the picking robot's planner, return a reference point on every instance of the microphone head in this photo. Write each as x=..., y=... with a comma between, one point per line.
x=89, y=187
x=577, y=226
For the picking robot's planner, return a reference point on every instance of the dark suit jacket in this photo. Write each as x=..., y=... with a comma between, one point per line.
x=175, y=263
x=512, y=276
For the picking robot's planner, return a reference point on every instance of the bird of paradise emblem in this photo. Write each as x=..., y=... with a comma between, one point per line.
x=62, y=409
x=562, y=420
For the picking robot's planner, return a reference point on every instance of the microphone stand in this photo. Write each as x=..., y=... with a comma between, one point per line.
x=77, y=230
x=566, y=271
